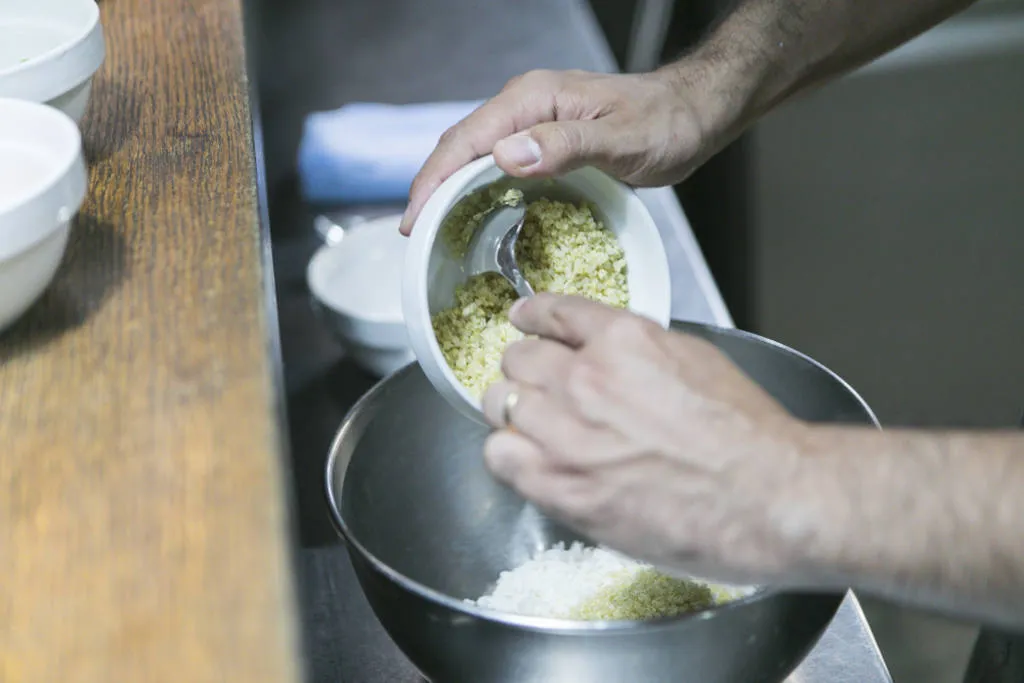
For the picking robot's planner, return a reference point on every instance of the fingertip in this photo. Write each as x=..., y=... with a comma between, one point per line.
x=527, y=313
x=514, y=312
x=409, y=217
x=507, y=454
x=500, y=443
x=497, y=454
x=422, y=189
x=492, y=402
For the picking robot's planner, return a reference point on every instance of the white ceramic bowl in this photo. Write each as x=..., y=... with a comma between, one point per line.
x=42, y=185
x=49, y=51
x=432, y=274
x=356, y=289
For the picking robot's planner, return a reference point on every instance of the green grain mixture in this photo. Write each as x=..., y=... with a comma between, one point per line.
x=647, y=595
x=563, y=248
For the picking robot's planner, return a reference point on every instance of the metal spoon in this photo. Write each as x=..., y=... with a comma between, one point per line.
x=493, y=247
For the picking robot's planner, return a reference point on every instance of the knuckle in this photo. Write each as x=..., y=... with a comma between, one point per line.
x=449, y=136
x=525, y=361
x=541, y=78
x=630, y=330
x=566, y=138
x=589, y=504
x=420, y=184
x=491, y=402
x=539, y=487
x=513, y=82
x=510, y=359
x=561, y=315
x=526, y=411
x=532, y=413
x=495, y=463
x=537, y=74
x=583, y=382
x=416, y=186
x=699, y=346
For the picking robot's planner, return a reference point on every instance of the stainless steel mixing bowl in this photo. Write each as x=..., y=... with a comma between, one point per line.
x=426, y=526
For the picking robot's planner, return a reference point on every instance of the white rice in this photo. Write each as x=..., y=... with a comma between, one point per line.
x=558, y=581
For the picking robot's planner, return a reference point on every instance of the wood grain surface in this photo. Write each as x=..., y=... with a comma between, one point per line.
x=144, y=532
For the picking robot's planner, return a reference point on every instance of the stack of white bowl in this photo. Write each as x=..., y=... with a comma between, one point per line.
x=49, y=52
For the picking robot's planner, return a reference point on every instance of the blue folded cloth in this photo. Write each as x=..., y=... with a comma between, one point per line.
x=369, y=153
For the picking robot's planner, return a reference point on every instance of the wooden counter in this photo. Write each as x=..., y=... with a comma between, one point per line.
x=144, y=531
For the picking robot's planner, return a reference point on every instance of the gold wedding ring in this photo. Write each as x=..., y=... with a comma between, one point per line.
x=511, y=399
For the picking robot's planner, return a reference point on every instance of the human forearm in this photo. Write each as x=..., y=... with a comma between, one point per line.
x=933, y=519
x=766, y=50
x=655, y=129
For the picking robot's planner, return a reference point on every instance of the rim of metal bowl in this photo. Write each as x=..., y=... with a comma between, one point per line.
x=683, y=325
x=533, y=623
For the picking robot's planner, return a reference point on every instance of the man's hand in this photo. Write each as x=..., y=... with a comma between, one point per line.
x=655, y=129
x=650, y=441
x=654, y=443
x=643, y=129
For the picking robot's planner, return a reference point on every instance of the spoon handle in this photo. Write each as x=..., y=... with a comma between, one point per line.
x=522, y=287
x=506, y=258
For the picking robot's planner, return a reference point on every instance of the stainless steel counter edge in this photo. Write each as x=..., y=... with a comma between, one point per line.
x=846, y=653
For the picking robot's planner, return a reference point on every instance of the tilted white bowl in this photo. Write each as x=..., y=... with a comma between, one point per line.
x=49, y=51
x=432, y=273
x=42, y=185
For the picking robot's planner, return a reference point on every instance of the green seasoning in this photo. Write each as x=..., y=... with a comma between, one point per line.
x=563, y=248
x=647, y=594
